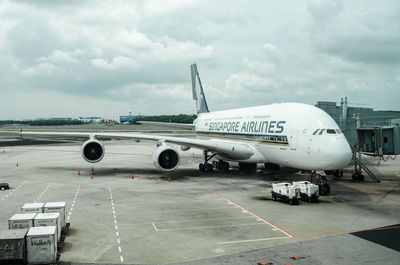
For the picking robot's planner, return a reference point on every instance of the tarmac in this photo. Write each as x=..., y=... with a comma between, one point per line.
x=129, y=213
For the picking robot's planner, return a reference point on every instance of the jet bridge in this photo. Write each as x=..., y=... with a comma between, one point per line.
x=375, y=141
x=379, y=141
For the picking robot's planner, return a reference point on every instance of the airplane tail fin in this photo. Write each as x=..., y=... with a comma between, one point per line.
x=197, y=89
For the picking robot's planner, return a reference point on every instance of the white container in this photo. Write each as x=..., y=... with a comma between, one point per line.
x=48, y=219
x=41, y=245
x=21, y=221
x=35, y=207
x=56, y=207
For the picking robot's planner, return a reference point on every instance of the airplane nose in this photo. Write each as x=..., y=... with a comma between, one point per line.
x=341, y=154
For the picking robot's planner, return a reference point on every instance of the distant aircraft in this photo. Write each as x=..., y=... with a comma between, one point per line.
x=288, y=134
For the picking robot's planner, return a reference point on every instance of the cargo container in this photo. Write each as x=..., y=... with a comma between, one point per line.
x=56, y=207
x=36, y=207
x=48, y=219
x=12, y=246
x=21, y=221
x=41, y=245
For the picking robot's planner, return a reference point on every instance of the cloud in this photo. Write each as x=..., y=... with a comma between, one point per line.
x=366, y=36
x=44, y=69
x=137, y=53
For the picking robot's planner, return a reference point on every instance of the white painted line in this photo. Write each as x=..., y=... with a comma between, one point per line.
x=202, y=220
x=12, y=191
x=253, y=240
x=115, y=226
x=155, y=228
x=73, y=202
x=43, y=192
x=244, y=211
x=189, y=210
x=204, y=227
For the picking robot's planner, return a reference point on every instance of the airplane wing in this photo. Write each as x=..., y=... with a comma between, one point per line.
x=183, y=126
x=226, y=148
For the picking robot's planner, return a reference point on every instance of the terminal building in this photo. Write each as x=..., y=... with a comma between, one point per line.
x=350, y=118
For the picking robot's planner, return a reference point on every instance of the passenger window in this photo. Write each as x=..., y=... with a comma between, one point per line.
x=322, y=131
x=316, y=131
x=331, y=131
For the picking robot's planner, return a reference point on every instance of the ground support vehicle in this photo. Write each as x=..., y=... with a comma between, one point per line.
x=286, y=192
x=308, y=191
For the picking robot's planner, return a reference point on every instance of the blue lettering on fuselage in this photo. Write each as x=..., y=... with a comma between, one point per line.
x=248, y=126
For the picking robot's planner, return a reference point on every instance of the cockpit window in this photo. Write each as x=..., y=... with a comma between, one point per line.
x=330, y=131
x=322, y=131
x=316, y=131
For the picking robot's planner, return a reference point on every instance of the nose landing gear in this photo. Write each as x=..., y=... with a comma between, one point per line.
x=321, y=181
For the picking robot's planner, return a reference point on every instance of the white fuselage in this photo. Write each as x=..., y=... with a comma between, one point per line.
x=284, y=134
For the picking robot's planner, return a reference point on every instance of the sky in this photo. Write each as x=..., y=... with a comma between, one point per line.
x=104, y=58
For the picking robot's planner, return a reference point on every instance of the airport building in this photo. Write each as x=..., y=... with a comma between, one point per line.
x=350, y=118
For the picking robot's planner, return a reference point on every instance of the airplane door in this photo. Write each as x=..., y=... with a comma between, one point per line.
x=293, y=140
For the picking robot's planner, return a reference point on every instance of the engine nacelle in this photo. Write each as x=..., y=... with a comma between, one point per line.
x=93, y=150
x=166, y=158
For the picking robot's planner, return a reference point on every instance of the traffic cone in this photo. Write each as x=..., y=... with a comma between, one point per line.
x=79, y=173
x=92, y=169
x=169, y=179
x=17, y=164
x=91, y=176
x=132, y=177
x=378, y=164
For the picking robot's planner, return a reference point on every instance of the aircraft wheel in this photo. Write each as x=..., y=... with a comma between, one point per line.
x=209, y=167
x=325, y=189
x=202, y=167
x=357, y=176
x=273, y=197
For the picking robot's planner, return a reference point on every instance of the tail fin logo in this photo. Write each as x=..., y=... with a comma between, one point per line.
x=197, y=90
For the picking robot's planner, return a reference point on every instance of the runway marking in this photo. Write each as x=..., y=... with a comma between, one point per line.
x=115, y=226
x=200, y=227
x=265, y=221
x=202, y=220
x=43, y=192
x=190, y=209
x=13, y=190
x=252, y=240
x=73, y=202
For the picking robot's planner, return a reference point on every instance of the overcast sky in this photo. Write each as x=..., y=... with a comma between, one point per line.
x=102, y=58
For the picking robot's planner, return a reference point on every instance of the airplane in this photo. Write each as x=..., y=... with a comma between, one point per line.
x=288, y=134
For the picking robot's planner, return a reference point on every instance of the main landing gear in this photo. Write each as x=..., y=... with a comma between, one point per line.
x=206, y=167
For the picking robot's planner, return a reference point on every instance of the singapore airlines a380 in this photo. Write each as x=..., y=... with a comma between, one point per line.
x=289, y=134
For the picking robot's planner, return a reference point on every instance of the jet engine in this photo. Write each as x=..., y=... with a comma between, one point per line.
x=166, y=158
x=93, y=150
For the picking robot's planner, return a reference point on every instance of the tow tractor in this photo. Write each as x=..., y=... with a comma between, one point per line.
x=308, y=191
x=286, y=192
